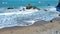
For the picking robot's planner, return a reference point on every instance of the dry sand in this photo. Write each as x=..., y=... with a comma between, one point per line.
x=40, y=27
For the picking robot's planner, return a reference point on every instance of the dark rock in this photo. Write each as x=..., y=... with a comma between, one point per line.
x=36, y=8
x=48, y=4
x=20, y=10
x=32, y=7
x=58, y=4
x=51, y=21
x=29, y=6
x=56, y=32
x=10, y=8
x=45, y=10
x=23, y=9
x=59, y=14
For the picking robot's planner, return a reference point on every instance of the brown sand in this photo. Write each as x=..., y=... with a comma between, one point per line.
x=40, y=27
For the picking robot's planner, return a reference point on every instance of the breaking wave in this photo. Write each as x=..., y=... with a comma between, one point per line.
x=14, y=17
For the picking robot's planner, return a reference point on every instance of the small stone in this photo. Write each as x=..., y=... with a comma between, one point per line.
x=51, y=21
x=56, y=32
x=20, y=10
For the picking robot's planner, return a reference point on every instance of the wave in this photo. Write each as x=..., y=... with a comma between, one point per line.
x=14, y=17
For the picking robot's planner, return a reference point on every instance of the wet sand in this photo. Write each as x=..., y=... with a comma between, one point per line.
x=40, y=27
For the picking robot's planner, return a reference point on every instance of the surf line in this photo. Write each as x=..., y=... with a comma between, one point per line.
x=12, y=13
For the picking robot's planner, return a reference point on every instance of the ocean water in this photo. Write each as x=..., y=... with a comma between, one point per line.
x=14, y=17
x=18, y=3
x=26, y=18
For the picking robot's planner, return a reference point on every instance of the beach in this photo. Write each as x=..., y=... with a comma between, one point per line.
x=14, y=19
x=40, y=27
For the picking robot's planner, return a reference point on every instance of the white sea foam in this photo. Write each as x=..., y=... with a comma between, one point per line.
x=14, y=17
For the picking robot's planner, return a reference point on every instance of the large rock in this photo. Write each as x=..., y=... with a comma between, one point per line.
x=29, y=6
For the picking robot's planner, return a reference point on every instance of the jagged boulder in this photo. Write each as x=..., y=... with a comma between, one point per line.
x=29, y=6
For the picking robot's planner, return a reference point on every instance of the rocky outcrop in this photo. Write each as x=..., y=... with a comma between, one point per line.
x=35, y=8
x=58, y=4
x=29, y=6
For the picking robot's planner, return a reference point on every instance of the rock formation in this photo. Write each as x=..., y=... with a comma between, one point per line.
x=29, y=6
x=58, y=4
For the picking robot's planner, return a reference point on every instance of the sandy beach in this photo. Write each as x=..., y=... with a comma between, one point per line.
x=40, y=27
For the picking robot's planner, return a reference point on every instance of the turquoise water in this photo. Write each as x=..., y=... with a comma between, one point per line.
x=18, y=3
x=10, y=18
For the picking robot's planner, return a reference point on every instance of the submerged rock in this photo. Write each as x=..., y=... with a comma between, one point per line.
x=20, y=10
x=45, y=10
x=48, y=4
x=10, y=8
